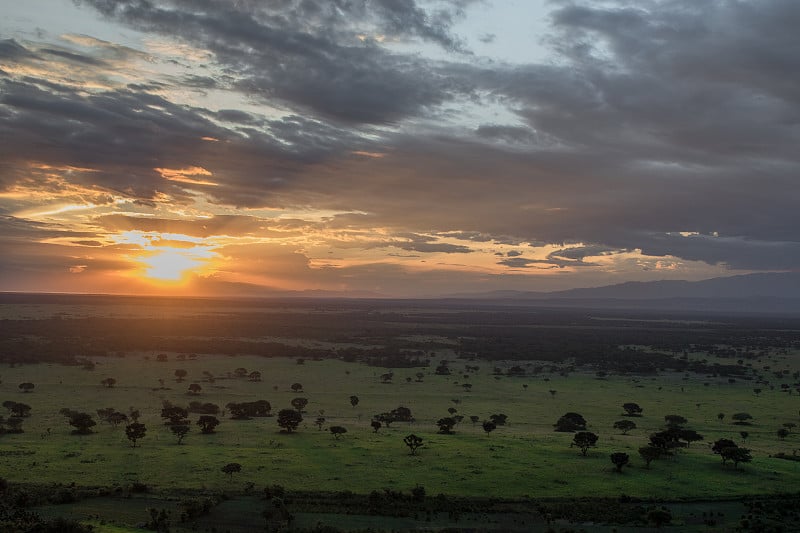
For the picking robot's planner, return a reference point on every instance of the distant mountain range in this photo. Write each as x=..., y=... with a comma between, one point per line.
x=771, y=292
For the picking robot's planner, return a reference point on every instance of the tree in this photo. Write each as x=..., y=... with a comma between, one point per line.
x=109, y=382
x=208, y=424
x=632, y=409
x=736, y=455
x=254, y=376
x=552, y=393
x=649, y=454
x=18, y=409
x=474, y=419
x=689, y=436
x=354, y=400
x=82, y=422
x=387, y=377
x=338, y=431
x=674, y=420
x=570, y=422
x=452, y=410
x=135, y=432
x=584, y=440
x=26, y=387
x=180, y=374
x=231, y=468
x=296, y=387
x=720, y=416
x=720, y=444
x=289, y=419
x=742, y=419
x=744, y=435
x=419, y=376
x=319, y=422
x=180, y=431
x=499, y=419
x=783, y=433
x=195, y=389
x=376, y=425
x=413, y=442
x=299, y=404
x=624, y=426
x=489, y=426
x=240, y=372
x=174, y=415
x=620, y=459
x=446, y=425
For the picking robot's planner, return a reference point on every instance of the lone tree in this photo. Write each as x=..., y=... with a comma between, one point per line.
x=297, y=387
x=742, y=419
x=354, y=400
x=624, y=426
x=180, y=374
x=338, y=431
x=254, y=376
x=720, y=416
x=674, y=421
x=650, y=454
x=180, y=431
x=570, y=422
x=744, y=435
x=289, y=419
x=26, y=387
x=299, y=404
x=208, y=424
x=632, y=409
x=376, y=425
x=413, y=442
x=231, y=468
x=584, y=440
x=489, y=426
x=108, y=382
x=195, y=389
x=620, y=459
x=135, y=432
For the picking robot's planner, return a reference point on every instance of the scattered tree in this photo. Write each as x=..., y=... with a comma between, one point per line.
x=736, y=455
x=289, y=419
x=499, y=419
x=474, y=419
x=231, y=468
x=783, y=433
x=742, y=419
x=649, y=454
x=570, y=422
x=299, y=404
x=208, y=424
x=297, y=387
x=108, y=382
x=720, y=416
x=254, y=376
x=624, y=426
x=180, y=375
x=26, y=387
x=338, y=431
x=135, y=432
x=195, y=389
x=489, y=426
x=413, y=442
x=376, y=425
x=82, y=422
x=674, y=421
x=446, y=425
x=619, y=459
x=354, y=400
x=744, y=435
x=632, y=409
x=584, y=440
x=180, y=431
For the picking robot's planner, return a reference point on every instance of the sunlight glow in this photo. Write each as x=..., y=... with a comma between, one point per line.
x=171, y=264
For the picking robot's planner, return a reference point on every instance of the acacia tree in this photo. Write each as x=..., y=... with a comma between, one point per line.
x=82, y=422
x=570, y=422
x=27, y=386
x=413, y=442
x=742, y=419
x=296, y=387
x=208, y=424
x=354, y=400
x=620, y=459
x=195, y=389
x=446, y=425
x=180, y=431
x=376, y=425
x=299, y=404
x=231, y=468
x=649, y=454
x=135, y=432
x=180, y=374
x=584, y=440
x=632, y=409
x=488, y=426
x=108, y=382
x=338, y=431
x=624, y=426
x=289, y=419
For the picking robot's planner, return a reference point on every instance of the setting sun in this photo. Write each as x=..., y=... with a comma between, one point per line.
x=171, y=265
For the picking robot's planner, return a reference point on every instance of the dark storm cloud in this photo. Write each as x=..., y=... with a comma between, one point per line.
x=307, y=54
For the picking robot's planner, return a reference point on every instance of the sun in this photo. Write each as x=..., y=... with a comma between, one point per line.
x=171, y=265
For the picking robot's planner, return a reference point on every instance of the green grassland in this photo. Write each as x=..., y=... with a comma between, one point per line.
x=525, y=458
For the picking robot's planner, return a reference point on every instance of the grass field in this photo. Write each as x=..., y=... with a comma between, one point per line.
x=524, y=458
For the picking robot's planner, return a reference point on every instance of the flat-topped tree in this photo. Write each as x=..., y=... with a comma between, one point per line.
x=195, y=389
x=489, y=426
x=82, y=422
x=742, y=419
x=620, y=459
x=299, y=404
x=570, y=422
x=632, y=409
x=27, y=386
x=624, y=426
x=354, y=400
x=108, y=382
x=674, y=420
x=446, y=425
x=180, y=375
x=231, y=468
x=296, y=387
x=338, y=431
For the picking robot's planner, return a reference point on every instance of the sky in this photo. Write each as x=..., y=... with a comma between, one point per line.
x=401, y=148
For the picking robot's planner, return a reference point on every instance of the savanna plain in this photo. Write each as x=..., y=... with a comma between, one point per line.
x=300, y=415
